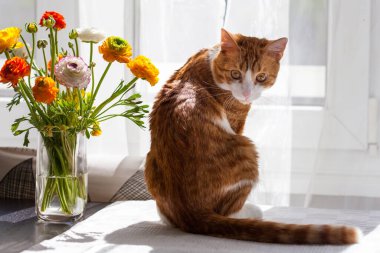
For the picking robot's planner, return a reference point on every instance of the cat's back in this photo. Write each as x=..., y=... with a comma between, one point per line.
x=184, y=101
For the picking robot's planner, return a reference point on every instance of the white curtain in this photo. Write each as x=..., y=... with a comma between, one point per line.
x=269, y=123
x=170, y=31
x=104, y=16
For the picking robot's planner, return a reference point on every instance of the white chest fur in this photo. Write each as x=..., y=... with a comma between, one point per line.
x=223, y=123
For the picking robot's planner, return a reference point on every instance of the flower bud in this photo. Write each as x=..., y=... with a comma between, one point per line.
x=96, y=131
x=49, y=22
x=73, y=34
x=42, y=43
x=71, y=45
x=31, y=27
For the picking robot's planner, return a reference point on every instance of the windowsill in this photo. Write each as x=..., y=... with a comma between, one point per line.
x=6, y=93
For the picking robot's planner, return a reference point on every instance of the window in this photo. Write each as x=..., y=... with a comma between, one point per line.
x=308, y=22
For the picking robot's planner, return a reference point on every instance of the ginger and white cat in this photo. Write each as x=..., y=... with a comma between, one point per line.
x=200, y=168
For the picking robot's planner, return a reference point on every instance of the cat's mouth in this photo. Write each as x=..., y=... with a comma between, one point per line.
x=245, y=102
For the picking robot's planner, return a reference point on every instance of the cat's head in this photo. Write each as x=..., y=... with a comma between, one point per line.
x=246, y=65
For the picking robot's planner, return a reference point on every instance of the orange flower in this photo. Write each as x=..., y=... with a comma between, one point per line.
x=116, y=49
x=45, y=90
x=143, y=68
x=58, y=18
x=14, y=69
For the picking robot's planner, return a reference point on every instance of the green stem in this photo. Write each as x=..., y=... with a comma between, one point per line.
x=32, y=57
x=76, y=47
x=112, y=97
x=7, y=55
x=52, y=53
x=80, y=101
x=62, y=178
x=108, y=117
x=56, y=41
x=93, y=96
x=23, y=94
x=92, y=68
x=91, y=52
x=45, y=62
x=26, y=46
x=48, y=193
x=109, y=108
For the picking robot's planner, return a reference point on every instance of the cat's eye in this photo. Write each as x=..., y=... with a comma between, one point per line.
x=261, y=77
x=235, y=74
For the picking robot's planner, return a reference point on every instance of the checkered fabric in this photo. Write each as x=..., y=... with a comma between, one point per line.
x=133, y=189
x=19, y=183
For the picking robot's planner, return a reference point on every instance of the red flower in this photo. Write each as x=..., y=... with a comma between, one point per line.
x=14, y=69
x=59, y=19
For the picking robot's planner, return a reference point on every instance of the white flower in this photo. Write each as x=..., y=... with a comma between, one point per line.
x=21, y=51
x=90, y=35
x=72, y=71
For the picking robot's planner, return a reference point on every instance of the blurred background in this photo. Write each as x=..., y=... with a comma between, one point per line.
x=316, y=129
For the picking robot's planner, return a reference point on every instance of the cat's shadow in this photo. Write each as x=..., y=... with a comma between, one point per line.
x=165, y=239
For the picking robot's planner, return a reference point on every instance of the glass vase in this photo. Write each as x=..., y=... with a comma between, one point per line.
x=61, y=176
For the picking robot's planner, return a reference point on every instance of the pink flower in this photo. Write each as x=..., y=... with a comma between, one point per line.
x=73, y=72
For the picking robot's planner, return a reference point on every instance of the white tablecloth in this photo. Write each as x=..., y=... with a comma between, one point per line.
x=134, y=226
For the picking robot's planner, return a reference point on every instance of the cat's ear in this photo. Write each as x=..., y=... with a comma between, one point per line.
x=276, y=48
x=228, y=43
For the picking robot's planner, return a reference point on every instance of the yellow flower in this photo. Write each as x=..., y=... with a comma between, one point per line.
x=8, y=39
x=143, y=68
x=45, y=90
x=116, y=49
x=96, y=131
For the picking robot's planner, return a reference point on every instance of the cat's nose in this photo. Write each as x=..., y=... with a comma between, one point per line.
x=246, y=93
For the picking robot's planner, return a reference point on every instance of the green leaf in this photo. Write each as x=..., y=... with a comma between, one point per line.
x=17, y=122
x=134, y=96
x=15, y=101
x=88, y=134
x=26, y=139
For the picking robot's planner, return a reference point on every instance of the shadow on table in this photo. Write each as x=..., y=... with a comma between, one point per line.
x=15, y=237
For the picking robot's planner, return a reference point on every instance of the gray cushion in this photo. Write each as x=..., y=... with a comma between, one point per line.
x=19, y=182
x=133, y=189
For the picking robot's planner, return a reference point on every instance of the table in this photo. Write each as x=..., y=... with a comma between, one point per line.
x=20, y=229
x=135, y=226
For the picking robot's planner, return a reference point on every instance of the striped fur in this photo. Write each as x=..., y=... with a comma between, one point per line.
x=200, y=169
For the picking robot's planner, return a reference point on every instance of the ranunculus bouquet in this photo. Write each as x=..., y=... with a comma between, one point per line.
x=62, y=98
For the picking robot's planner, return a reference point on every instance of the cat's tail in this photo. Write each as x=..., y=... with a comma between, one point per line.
x=274, y=232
